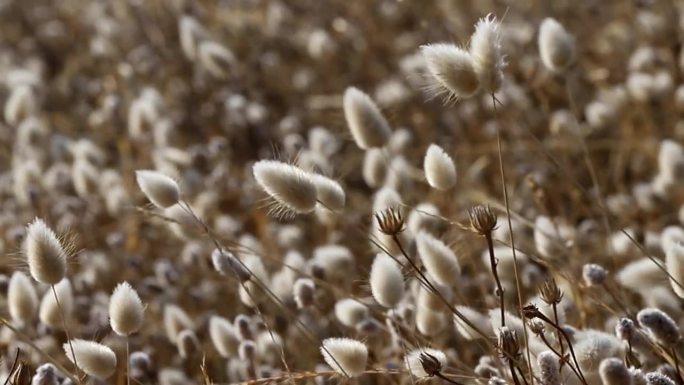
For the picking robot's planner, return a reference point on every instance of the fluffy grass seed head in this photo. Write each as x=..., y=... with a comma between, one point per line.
x=223, y=335
x=368, y=126
x=126, y=310
x=556, y=45
x=659, y=325
x=488, y=58
x=329, y=193
x=93, y=358
x=345, y=355
x=674, y=263
x=415, y=359
x=614, y=372
x=549, y=373
x=292, y=189
x=386, y=281
x=439, y=168
x=451, y=71
x=655, y=378
x=160, y=189
x=22, y=299
x=439, y=260
x=215, y=58
x=350, y=312
x=46, y=257
x=304, y=292
x=49, y=313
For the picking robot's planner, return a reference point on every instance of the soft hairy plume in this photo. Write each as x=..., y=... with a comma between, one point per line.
x=50, y=313
x=451, y=69
x=549, y=369
x=659, y=325
x=614, y=372
x=345, y=355
x=291, y=187
x=556, y=45
x=350, y=312
x=368, y=126
x=22, y=299
x=215, y=58
x=386, y=281
x=94, y=359
x=45, y=255
x=126, y=310
x=439, y=260
x=488, y=58
x=674, y=262
x=223, y=335
x=160, y=189
x=439, y=168
x=329, y=193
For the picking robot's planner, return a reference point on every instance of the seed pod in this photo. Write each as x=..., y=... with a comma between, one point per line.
x=415, y=360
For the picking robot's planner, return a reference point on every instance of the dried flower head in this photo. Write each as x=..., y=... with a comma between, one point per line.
x=390, y=221
x=550, y=293
x=368, y=126
x=482, y=220
x=160, y=189
x=126, y=311
x=507, y=342
x=345, y=355
x=292, y=189
x=94, y=359
x=425, y=362
x=452, y=71
x=556, y=45
x=45, y=255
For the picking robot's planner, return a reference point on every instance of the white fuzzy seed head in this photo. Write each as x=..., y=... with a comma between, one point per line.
x=674, y=263
x=329, y=193
x=350, y=312
x=304, y=291
x=368, y=126
x=215, y=58
x=439, y=260
x=556, y=45
x=655, y=378
x=659, y=325
x=549, y=373
x=175, y=319
x=613, y=372
x=346, y=356
x=224, y=336
x=374, y=168
x=94, y=359
x=593, y=274
x=429, y=322
x=291, y=187
x=439, y=168
x=227, y=264
x=126, y=310
x=45, y=255
x=46, y=374
x=50, y=314
x=485, y=48
x=414, y=364
x=451, y=69
x=22, y=299
x=160, y=189
x=477, y=319
x=386, y=281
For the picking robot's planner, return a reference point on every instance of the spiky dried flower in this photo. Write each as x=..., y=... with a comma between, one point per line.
x=291, y=187
x=46, y=257
x=488, y=58
x=507, y=342
x=452, y=70
x=126, y=310
x=550, y=293
x=390, y=221
x=95, y=359
x=345, y=355
x=482, y=220
x=160, y=189
x=368, y=126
